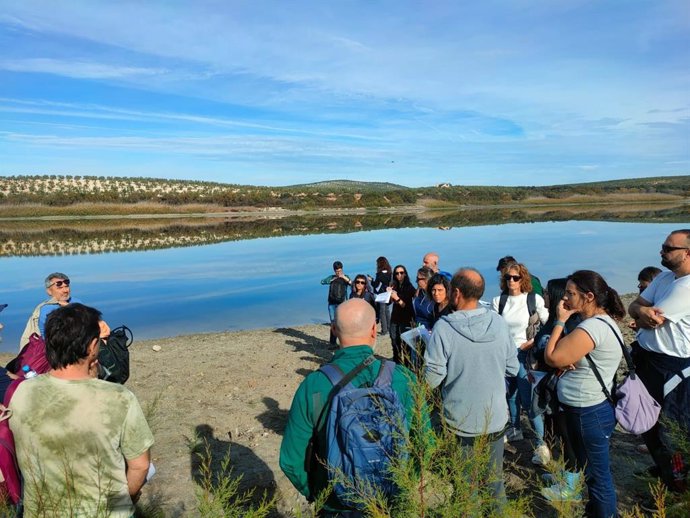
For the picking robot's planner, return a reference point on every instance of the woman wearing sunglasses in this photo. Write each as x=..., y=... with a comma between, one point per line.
x=512, y=304
x=402, y=293
x=360, y=290
x=439, y=291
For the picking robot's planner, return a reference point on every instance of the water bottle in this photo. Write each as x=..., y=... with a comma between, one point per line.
x=28, y=373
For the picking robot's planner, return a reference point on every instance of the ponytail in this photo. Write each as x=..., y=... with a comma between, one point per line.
x=614, y=305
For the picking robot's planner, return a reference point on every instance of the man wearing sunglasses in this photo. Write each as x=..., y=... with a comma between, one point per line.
x=662, y=350
x=58, y=289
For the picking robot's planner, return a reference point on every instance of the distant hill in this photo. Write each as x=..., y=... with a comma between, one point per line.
x=67, y=190
x=349, y=186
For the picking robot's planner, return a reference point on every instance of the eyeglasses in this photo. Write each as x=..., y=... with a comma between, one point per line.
x=360, y=282
x=514, y=278
x=666, y=248
x=419, y=279
x=400, y=273
x=60, y=284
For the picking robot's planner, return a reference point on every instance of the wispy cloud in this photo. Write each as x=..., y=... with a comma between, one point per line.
x=466, y=89
x=78, y=69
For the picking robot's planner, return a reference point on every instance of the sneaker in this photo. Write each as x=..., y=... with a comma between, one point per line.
x=560, y=493
x=542, y=455
x=514, y=434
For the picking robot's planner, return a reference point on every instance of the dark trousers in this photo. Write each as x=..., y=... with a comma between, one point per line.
x=340, y=514
x=399, y=354
x=556, y=428
x=654, y=370
x=496, y=447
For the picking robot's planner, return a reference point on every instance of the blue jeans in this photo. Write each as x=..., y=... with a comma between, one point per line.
x=520, y=395
x=385, y=311
x=591, y=428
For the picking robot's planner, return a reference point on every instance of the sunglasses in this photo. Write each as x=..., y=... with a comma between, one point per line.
x=515, y=278
x=60, y=284
x=421, y=279
x=400, y=273
x=666, y=248
x=360, y=282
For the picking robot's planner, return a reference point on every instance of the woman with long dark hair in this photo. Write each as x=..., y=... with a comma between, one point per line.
x=382, y=281
x=589, y=415
x=439, y=291
x=402, y=315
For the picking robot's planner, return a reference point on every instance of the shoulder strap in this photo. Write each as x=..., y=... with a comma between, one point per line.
x=10, y=390
x=502, y=303
x=532, y=303
x=628, y=361
x=336, y=377
x=385, y=377
x=605, y=390
x=626, y=352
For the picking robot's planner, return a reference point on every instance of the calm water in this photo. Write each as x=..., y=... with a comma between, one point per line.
x=275, y=281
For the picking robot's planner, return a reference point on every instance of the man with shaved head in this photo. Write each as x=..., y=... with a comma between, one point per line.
x=355, y=327
x=430, y=260
x=469, y=355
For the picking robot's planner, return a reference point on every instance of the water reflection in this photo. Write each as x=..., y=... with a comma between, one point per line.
x=94, y=236
x=236, y=282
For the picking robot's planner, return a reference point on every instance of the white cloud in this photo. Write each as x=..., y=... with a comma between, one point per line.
x=78, y=69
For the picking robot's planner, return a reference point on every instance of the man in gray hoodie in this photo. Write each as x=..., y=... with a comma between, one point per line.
x=469, y=355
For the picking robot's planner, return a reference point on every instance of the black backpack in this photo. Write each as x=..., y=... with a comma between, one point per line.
x=337, y=291
x=113, y=356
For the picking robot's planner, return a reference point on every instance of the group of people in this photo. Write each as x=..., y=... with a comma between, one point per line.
x=82, y=444
x=482, y=357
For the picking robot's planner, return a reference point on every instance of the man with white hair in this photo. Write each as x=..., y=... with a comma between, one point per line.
x=430, y=260
x=58, y=289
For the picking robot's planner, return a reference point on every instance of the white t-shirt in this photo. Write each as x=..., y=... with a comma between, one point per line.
x=672, y=296
x=516, y=314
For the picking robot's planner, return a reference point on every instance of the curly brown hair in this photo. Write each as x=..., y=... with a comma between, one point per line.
x=523, y=272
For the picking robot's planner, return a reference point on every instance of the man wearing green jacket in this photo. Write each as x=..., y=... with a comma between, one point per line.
x=355, y=326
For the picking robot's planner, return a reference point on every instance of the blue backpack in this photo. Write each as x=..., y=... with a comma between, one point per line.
x=366, y=428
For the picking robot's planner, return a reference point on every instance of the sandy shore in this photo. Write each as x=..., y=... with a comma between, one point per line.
x=235, y=389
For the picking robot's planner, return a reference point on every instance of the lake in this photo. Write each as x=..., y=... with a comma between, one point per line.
x=167, y=278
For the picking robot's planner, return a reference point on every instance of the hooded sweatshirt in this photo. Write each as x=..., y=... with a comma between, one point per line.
x=469, y=355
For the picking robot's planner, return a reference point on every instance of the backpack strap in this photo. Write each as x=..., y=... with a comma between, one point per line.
x=10, y=390
x=385, y=377
x=339, y=381
x=502, y=302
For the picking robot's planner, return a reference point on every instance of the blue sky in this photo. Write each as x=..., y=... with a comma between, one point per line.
x=281, y=92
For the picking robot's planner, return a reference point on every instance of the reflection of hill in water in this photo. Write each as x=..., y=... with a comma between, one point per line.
x=88, y=236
